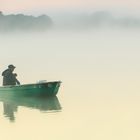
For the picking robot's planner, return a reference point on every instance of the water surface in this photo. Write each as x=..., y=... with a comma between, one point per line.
x=99, y=96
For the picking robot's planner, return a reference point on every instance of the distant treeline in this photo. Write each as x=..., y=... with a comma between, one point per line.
x=103, y=18
x=99, y=19
x=23, y=22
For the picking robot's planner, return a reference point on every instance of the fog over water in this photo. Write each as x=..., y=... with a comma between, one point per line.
x=99, y=69
x=69, y=19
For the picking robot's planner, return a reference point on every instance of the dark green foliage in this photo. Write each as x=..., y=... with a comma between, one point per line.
x=24, y=22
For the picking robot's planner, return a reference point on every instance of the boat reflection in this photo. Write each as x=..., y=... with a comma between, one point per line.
x=45, y=104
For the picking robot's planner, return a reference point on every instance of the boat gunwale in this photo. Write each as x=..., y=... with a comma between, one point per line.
x=32, y=84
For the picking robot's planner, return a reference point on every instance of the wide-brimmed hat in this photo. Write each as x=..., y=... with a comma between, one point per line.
x=11, y=66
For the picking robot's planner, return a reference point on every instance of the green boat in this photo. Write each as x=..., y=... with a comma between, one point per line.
x=37, y=89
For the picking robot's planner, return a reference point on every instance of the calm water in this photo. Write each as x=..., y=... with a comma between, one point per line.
x=99, y=98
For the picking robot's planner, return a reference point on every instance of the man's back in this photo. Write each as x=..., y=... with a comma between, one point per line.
x=8, y=77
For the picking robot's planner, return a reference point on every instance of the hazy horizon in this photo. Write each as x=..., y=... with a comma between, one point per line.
x=75, y=20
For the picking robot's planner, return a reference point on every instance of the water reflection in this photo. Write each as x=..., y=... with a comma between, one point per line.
x=8, y=110
x=45, y=104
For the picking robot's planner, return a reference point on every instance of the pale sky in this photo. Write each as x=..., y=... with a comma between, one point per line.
x=25, y=5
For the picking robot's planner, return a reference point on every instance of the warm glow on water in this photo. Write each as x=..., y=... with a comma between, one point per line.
x=99, y=95
x=94, y=118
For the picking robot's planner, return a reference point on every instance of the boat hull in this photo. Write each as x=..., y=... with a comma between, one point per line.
x=39, y=89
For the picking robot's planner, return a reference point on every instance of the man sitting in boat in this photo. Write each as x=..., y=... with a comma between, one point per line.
x=9, y=78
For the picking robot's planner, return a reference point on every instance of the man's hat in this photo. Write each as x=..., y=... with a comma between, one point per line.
x=11, y=66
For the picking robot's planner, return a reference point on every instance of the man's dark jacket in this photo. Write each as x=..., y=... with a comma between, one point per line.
x=9, y=78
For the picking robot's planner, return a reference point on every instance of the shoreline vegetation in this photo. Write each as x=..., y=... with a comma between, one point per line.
x=68, y=21
x=21, y=22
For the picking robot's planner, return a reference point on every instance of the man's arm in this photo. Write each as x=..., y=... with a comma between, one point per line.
x=17, y=82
